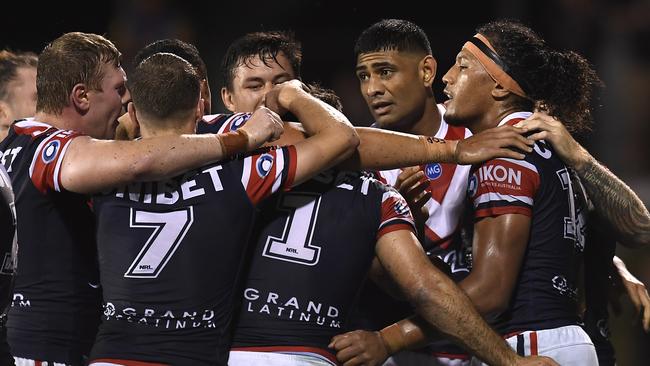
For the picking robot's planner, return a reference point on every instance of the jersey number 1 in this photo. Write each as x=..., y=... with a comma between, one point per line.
x=295, y=243
x=169, y=230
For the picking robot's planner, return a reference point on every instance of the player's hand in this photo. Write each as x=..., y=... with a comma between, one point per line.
x=263, y=126
x=412, y=184
x=551, y=130
x=498, y=142
x=280, y=97
x=536, y=361
x=636, y=291
x=126, y=129
x=359, y=347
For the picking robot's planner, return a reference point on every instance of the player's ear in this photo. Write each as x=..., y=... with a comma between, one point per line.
x=226, y=97
x=200, y=109
x=4, y=111
x=79, y=97
x=499, y=92
x=428, y=67
x=132, y=114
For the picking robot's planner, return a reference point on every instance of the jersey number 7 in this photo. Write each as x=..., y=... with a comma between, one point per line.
x=169, y=230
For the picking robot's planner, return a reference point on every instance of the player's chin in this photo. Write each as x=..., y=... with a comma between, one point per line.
x=386, y=121
x=453, y=119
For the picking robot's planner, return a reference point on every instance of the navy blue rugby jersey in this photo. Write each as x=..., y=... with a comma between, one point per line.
x=57, y=300
x=545, y=294
x=313, y=248
x=170, y=253
x=8, y=247
x=599, y=274
x=8, y=242
x=221, y=123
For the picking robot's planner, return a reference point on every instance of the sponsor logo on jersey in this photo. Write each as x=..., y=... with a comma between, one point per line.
x=50, y=150
x=109, y=310
x=500, y=174
x=401, y=208
x=264, y=164
x=161, y=318
x=20, y=301
x=238, y=122
x=472, y=186
x=293, y=308
x=433, y=171
x=562, y=285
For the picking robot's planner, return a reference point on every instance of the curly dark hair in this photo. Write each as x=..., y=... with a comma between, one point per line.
x=562, y=83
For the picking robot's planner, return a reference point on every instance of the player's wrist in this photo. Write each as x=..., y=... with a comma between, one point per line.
x=289, y=96
x=580, y=159
x=235, y=142
x=393, y=338
x=439, y=150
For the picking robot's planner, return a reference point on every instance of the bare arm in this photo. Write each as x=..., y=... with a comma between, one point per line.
x=382, y=149
x=437, y=299
x=612, y=198
x=498, y=248
x=331, y=136
x=91, y=165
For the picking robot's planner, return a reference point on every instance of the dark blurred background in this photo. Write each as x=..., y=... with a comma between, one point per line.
x=613, y=35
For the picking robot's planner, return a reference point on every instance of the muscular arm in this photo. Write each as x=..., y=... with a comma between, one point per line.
x=331, y=136
x=615, y=202
x=437, y=299
x=381, y=149
x=612, y=198
x=498, y=249
x=91, y=165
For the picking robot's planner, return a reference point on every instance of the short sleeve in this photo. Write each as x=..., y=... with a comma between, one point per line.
x=222, y=123
x=45, y=169
x=395, y=214
x=268, y=172
x=503, y=186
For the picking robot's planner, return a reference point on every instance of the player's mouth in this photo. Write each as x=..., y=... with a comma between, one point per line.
x=449, y=97
x=381, y=108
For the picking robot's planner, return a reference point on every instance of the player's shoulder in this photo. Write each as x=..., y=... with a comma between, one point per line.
x=222, y=122
x=31, y=135
x=373, y=186
x=31, y=127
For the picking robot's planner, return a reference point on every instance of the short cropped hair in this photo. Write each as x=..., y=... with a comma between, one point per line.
x=164, y=86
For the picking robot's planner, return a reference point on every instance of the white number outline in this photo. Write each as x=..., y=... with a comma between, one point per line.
x=277, y=247
x=142, y=219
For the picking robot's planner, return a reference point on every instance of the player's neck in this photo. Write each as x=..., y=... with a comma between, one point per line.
x=157, y=129
x=429, y=123
x=63, y=121
x=491, y=118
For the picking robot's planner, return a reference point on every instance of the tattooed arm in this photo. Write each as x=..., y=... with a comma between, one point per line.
x=613, y=200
